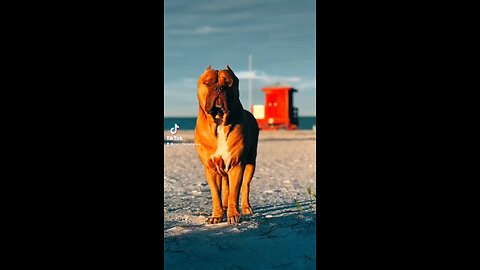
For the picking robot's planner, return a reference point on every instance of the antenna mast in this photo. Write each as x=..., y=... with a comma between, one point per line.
x=250, y=83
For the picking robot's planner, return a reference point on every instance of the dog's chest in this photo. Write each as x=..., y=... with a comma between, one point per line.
x=222, y=146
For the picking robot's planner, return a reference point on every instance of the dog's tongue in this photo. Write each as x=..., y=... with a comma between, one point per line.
x=218, y=103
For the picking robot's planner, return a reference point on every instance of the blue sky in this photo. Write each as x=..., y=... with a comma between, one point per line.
x=280, y=35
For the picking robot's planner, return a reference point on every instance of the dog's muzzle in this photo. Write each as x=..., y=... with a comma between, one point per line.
x=218, y=107
x=218, y=102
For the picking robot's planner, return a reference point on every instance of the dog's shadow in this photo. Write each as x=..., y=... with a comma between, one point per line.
x=286, y=213
x=292, y=207
x=278, y=236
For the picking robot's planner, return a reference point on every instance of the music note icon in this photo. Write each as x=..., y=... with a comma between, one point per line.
x=173, y=130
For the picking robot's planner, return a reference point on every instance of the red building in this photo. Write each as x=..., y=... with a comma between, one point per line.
x=278, y=111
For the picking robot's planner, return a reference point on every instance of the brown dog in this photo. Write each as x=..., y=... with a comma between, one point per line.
x=226, y=138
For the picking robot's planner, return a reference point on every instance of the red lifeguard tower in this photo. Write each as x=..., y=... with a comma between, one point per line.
x=278, y=111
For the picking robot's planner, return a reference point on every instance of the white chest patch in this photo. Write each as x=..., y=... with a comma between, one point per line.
x=222, y=147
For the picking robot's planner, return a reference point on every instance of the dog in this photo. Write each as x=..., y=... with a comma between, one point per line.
x=226, y=139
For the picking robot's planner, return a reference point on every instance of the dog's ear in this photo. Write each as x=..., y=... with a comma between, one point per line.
x=209, y=67
x=228, y=67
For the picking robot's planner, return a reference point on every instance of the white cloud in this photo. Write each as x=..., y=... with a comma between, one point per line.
x=232, y=29
x=306, y=85
x=299, y=83
x=181, y=95
x=262, y=76
x=203, y=30
x=207, y=30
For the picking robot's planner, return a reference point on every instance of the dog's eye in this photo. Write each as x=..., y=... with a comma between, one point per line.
x=207, y=83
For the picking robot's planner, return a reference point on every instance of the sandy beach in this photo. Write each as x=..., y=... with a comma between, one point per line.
x=280, y=234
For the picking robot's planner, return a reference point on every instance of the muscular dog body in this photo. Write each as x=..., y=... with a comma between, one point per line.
x=226, y=138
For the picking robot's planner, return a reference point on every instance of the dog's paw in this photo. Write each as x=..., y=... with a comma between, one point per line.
x=247, y=210
x=213, y=220
x=233, y=217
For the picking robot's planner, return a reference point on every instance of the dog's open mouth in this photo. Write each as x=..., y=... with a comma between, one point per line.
x=216, y=112
x=218, y=109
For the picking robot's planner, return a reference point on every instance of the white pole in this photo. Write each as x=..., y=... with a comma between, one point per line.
x=250, y=83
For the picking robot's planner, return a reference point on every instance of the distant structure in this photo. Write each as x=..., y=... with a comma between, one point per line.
x=278, y=111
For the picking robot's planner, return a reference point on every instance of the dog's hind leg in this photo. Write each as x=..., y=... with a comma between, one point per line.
x=247, y=178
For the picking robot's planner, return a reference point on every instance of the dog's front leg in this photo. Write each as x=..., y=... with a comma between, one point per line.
x=214, y=183
x=225, y=193
x=235, y=176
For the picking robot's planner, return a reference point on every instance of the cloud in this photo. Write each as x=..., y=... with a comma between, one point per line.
x=230, y=29
x=262, y=76
x=307, y=84
x=181, y=95
x=207, y=30
x=298, y=83
x=203, y=30
x=225, y=7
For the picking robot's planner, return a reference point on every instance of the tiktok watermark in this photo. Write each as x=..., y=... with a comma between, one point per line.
x=174, y=139
x=174, y=129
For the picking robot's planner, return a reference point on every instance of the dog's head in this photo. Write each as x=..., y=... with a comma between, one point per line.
x=218, y=93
